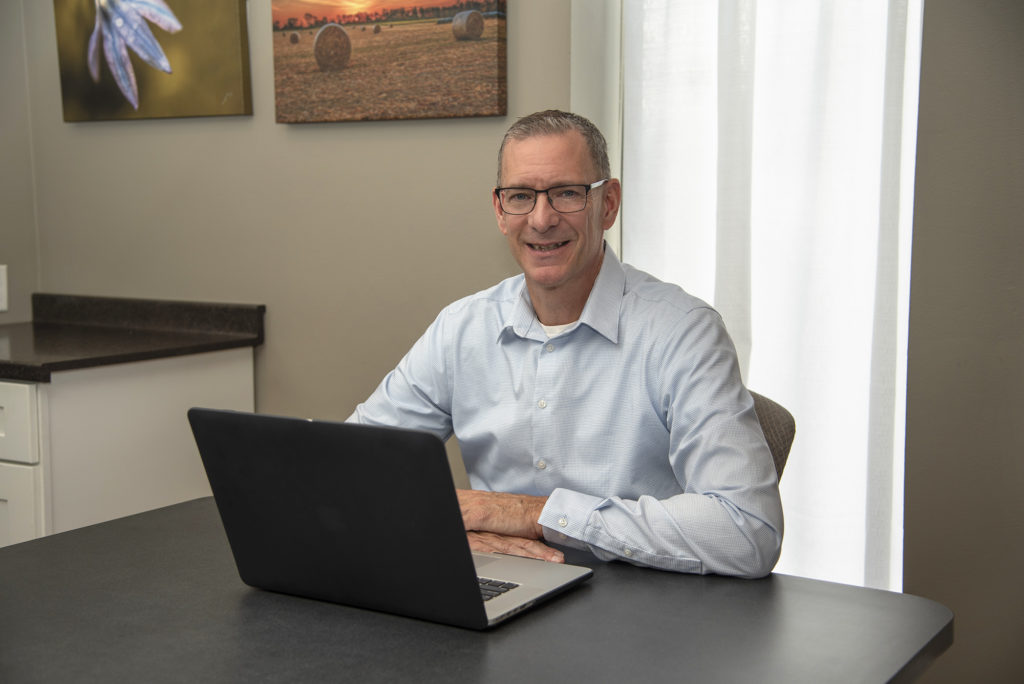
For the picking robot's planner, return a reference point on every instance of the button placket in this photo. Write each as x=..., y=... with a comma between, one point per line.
x=546, y=438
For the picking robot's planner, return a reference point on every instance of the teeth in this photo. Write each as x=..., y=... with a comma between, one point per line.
x=548, y=248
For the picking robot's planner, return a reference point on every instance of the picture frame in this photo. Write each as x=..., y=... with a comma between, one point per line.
x=129, y=59
x=388, y=61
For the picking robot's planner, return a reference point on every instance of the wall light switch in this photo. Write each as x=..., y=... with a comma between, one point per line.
x=3, y=287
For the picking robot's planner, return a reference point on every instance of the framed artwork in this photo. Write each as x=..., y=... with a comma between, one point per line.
x=143, y=59
x=360, y=60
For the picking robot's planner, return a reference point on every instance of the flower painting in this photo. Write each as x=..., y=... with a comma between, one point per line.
x=133, y=59
x=353, y=60
x=121, y=24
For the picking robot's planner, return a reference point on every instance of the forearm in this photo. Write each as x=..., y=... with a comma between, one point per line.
x=684, y=533
x=502, y=513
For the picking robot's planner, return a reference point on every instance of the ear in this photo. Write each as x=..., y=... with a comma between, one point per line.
x=498, y=213
x=611, y=199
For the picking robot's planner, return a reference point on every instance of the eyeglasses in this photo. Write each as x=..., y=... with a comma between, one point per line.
x=565, y=199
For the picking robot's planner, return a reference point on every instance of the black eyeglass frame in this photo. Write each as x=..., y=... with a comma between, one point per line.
x=536, y=194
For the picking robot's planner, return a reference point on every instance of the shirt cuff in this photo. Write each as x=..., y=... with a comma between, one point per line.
x=565, y=515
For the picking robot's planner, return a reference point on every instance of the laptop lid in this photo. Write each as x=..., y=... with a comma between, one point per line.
x=353, y=514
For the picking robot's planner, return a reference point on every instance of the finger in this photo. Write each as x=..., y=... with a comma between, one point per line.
x=480, y=542
x=516, y=546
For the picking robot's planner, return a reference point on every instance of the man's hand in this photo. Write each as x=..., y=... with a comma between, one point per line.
x=515, y=546
x=506, y=523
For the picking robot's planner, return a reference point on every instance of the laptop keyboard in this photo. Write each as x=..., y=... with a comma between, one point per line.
x=490, y=588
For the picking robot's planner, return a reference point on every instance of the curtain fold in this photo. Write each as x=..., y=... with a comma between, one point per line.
x=767, y=147
x=737, y=62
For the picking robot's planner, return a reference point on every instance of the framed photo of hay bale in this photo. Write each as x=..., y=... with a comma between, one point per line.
x=381, y=59
x=144, y=59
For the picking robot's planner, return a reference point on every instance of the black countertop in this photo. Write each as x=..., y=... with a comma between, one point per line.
x=70, y=332
x=156, y=598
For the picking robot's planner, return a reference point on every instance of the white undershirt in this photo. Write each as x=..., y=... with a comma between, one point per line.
x=555, y=330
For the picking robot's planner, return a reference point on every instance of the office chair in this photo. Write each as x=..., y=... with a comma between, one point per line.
x=779, y=428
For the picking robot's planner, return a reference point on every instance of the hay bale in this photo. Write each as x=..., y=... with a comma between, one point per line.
x=376, y=29
x=468, y=25
x=294, y=38
x=332, y=48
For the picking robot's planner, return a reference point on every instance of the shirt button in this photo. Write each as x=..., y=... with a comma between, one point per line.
x=562, y=522
x=627, y=553
x=550, y=347
x=542, y=464
x=542, y=404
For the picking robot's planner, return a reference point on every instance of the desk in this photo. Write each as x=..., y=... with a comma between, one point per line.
x=155, y=597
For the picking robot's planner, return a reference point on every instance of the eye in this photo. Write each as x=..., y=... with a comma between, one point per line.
x=519, y=195
x=568, y=193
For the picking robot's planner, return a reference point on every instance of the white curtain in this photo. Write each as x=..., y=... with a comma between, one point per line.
x=767, y=166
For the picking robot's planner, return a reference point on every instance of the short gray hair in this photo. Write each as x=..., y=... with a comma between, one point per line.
x=554, y=122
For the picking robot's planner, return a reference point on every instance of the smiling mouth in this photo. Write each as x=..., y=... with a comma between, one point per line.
x=548, y=247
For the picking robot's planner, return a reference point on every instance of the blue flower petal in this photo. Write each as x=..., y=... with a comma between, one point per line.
x=120, y=25
x=121, y=66
x=122, y=19
x=94, y=48
x=158, y=13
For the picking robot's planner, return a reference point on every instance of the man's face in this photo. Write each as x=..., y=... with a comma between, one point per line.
x=556, y=251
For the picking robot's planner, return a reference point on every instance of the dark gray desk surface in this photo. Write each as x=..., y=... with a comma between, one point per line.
x=155, y=597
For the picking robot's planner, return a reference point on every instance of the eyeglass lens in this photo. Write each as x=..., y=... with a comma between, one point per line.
x=565, y=199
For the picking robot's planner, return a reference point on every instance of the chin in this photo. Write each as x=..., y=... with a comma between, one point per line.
x=544, y=277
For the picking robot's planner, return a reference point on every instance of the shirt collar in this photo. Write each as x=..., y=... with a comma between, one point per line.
x=601, y=312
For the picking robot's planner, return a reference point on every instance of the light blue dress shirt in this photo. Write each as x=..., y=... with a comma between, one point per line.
x=634, y=421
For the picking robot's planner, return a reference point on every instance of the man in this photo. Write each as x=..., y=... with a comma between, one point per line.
x=595, y=406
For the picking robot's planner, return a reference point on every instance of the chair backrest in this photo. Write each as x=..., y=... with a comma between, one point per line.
x=779, y=428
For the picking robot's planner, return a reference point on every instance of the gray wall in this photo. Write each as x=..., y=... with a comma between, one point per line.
x=964, y=525
x=341, y=231
x=17, y=205
x=353, y=234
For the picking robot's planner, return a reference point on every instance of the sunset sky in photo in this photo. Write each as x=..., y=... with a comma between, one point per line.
x=283, y=9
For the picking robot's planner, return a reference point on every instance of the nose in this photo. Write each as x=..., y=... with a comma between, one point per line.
x=543, y=215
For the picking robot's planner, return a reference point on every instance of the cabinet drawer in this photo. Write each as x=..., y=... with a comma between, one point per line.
x=21, y=503
x=19, y=435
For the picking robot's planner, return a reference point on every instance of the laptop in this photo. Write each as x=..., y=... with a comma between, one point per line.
x=359, y=515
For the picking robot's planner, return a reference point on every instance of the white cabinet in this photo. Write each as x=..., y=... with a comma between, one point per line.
x=105, y=442
x=21, y=483
x=20, y=498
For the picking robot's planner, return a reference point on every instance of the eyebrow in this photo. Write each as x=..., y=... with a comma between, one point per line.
x=558, y=184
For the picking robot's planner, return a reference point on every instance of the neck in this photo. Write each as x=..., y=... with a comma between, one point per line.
x=553, y=308
x=562, y=304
